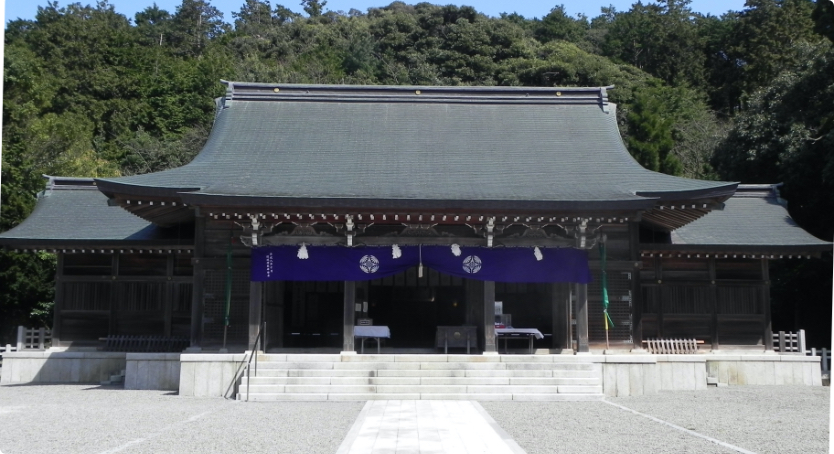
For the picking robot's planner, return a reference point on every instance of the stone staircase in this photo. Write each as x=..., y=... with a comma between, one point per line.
x=282, y=377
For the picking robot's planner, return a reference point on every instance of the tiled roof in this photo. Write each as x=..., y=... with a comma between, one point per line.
x=339, y=144
x=71, y=211
x=754, y=219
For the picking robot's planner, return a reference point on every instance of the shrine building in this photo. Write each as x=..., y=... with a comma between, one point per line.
x=443, y=218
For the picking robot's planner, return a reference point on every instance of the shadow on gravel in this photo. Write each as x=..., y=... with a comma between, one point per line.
x=35, y=385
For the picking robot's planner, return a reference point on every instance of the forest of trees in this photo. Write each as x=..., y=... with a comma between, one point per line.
x=747, y=96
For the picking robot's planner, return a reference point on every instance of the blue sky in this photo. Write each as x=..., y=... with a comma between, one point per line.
x=26, y=9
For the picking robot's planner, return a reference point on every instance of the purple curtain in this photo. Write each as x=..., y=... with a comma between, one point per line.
x=338, y=263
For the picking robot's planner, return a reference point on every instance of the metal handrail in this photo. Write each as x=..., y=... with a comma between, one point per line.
x=240, y=367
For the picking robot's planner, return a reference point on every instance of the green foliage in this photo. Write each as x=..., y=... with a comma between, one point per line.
x=557, y=25
x=768, y=38
x=27, y=294
x=313, y=7
x=195, y=24
x=88, y=94
x=823, y=17
x=661, y=39
x=787, y=136
x=651, y=138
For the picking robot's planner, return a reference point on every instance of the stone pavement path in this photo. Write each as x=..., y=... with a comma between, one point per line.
x=426, y=427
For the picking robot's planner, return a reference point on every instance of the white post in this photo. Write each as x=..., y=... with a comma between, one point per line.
x=21, y=333
x=802, y=341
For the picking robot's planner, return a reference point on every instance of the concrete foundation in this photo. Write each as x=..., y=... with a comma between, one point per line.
x=634, y=375
x=213, y=375
x=160, y=371
x=209, y=375
x=60, y=366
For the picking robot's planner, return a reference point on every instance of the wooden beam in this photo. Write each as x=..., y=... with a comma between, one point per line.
x=288, y=240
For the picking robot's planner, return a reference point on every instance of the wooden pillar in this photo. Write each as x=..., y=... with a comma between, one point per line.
x=59, y=301
x=713, y=295
x=197, y=282
x=636, y=289
x=582, y=299
x=349, y=322
x=475, y=307
x=255, y=310
x=168, y=303
x=557, y=327
x=489, y=317
x=274, y=314
x=582, y=318
x=658, y=273
x=768, y=327
x=116, y=297
x=560, y=301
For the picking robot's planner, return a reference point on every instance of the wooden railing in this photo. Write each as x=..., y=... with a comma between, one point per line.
x=33, y=338
x=789, y=342
x=145, y=344
x=672, y=346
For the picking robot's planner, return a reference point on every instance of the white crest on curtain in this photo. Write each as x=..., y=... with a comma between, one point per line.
x=538, y=253
x=456, y=250
x=302, y=252
x=396, y=252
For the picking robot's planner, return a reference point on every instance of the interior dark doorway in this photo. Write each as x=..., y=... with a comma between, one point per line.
x=414, y=313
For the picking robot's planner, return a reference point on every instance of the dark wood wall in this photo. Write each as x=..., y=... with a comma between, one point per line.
x=221, y=239
x=720, y=301
x=121, y=294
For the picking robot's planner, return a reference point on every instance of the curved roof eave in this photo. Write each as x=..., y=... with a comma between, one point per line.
x=111, y=187
x=622, y=204
x=274, y=144
x=717, y=192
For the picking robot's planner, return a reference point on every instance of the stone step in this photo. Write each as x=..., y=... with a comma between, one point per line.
x=538, y=381
x=450, y=358
x=274, y=397
x=517, y=373
x=489, y=373
x=422, y=389
x=351, y=365
x=311, y=358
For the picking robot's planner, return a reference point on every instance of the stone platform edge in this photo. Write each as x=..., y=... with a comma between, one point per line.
x=213, y=374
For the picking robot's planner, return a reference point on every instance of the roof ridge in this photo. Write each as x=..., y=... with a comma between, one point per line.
x=71, y=183
x=251, y=91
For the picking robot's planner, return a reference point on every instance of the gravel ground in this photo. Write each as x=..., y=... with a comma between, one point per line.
x=96, y=419
x=761, y=419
